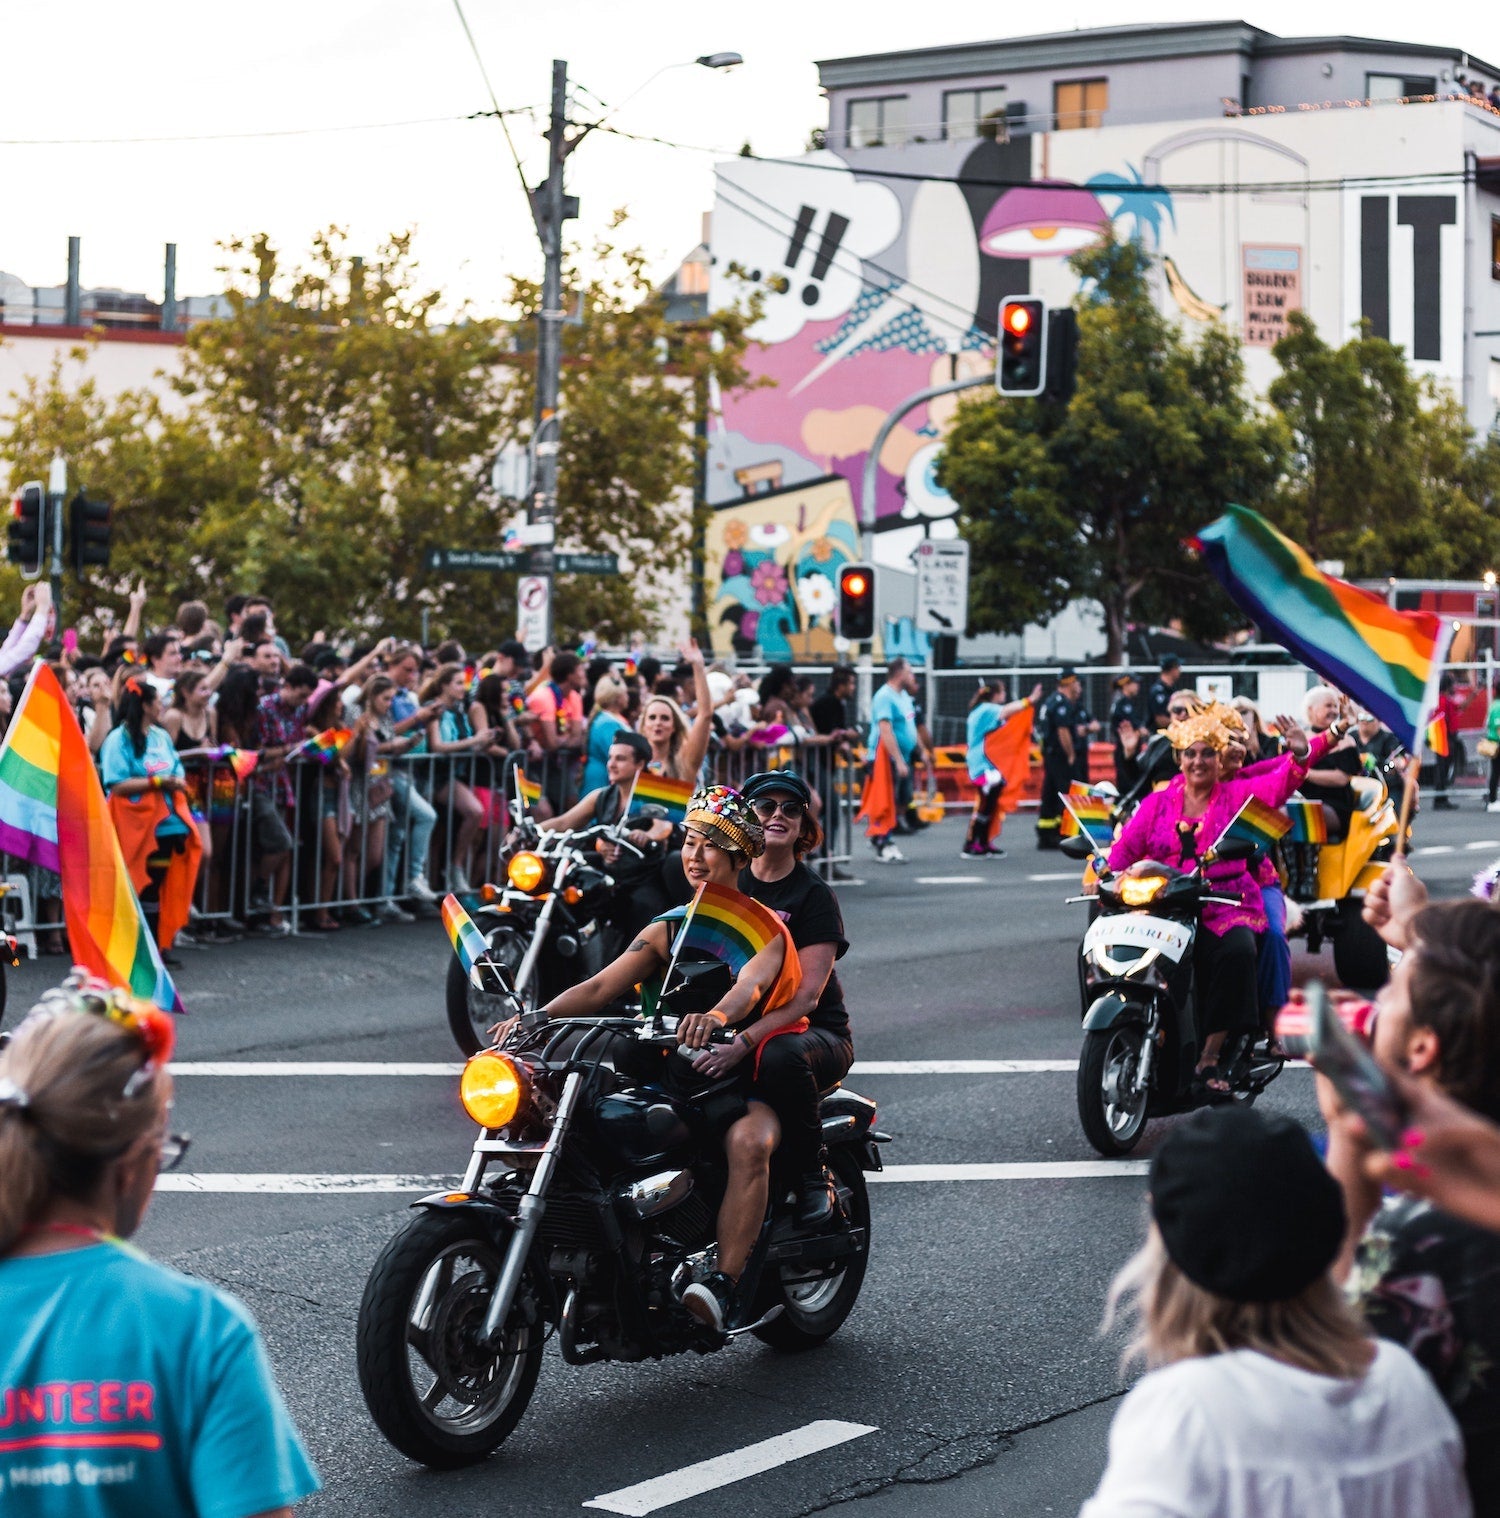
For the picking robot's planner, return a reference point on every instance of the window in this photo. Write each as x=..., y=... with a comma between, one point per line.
x=974, y=113
x=1398, y=86
x=879, y=123
x=1079, y=103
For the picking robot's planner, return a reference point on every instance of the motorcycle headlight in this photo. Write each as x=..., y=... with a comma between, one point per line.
x=526, y=871
x=491, y=1088
x=1138, y=890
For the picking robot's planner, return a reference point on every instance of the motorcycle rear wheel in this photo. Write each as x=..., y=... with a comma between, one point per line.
x=434, y=1394
x=813, y=1308
x=471, y=1013
x=1110, y=1056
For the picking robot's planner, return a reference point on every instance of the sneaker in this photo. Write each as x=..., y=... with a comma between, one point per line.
x=418, y=889
x=708, y=1301
x=890, y=854
x=390, y=911
x=1494, y=806
x=991, y=851
x=458, y=881
x=260, y=896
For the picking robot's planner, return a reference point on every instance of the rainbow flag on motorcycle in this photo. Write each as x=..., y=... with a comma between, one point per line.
x=731, y=927
x=1257, y=823
x=1307, y=823
x=468, y=942
x=1389, y=661
x=1086, y=811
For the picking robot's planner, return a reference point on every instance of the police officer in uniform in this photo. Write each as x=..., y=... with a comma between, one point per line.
x=1061, y=754
x=1129, y=712
x=1161, y=693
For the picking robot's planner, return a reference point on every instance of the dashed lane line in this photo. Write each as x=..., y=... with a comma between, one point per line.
x=320, y=1068
x=723, y=1470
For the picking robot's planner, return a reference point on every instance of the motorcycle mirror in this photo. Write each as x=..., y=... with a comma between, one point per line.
x=1231, y=850
x=1076, y=847
x=503, y=975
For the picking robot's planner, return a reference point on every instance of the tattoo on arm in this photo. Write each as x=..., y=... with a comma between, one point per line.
x=637, y=946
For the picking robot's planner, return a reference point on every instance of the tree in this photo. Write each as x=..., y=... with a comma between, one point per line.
x=1097, y=500
x=1385, y=476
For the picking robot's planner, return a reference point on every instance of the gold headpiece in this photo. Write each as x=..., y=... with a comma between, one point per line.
x=1233, y=723
x=725, y=816
x=1202, y=728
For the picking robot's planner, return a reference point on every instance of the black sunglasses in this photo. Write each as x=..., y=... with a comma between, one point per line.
x=767, y=809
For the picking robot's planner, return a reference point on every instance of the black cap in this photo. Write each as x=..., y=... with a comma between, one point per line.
x=1068, y=673
x=1121, y=681
x=637, y=743
x=1244, y=1205
x=788, y=782
x=1170, y=661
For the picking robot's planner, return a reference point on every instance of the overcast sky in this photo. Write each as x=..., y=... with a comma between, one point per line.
x=89, y=69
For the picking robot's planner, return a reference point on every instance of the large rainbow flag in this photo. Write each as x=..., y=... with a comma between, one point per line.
x=732, y=927
x=660, y=790
x=53, y=814
x=1389, y=661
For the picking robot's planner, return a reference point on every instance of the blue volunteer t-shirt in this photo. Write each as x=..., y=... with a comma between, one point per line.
x=897, y=708
x=982, y=721
x=601, y=733
x=130, y=1391
x=119, y=761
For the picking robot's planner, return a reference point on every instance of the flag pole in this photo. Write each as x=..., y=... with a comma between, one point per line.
x=666, y=980
x=1094, y=848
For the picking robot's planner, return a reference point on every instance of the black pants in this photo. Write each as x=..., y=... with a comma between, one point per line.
x=1224, y=970
x=793, y=1068
x=1057, y=776
x=1494, y=775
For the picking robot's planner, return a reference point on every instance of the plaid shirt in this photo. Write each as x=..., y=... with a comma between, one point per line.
x=276, y=727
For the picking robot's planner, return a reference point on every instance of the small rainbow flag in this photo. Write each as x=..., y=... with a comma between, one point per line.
x=241, y=760
x=325, y=746
x=1307, y=822
x=1088, y=813
x=1389, y=661
x=1258, y=823
x=531, y=790
x=1437, y=736
x=658, y=790
x=53, y=814
x=731, y=927
x=468, y=942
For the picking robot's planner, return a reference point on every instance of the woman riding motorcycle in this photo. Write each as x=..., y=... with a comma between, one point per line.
x=793, y=1070
x=722, y=836
x=1174, y=826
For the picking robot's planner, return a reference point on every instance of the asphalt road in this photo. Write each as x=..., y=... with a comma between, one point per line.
x=971, y=1376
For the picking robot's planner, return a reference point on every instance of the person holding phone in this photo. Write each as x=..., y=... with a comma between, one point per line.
x=1423, y=1277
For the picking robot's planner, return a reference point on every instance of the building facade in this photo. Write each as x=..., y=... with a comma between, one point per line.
x=1347, y=177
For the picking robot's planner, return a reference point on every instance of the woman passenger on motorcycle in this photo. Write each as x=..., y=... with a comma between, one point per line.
x=722, y=837
x=1172, y=826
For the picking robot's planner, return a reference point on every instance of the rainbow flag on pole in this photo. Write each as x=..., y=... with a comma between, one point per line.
x=468, y=942
x=1389, y=661
x=53, y=813
x=1257, y=823
x=1437, y=736
x=658, y=790
x=530, y=791
x=1085, y=811
x=1307, y=823
x=324, y=746
x=721, y=922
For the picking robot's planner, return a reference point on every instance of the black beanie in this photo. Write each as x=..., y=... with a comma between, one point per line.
x=1244, y=1205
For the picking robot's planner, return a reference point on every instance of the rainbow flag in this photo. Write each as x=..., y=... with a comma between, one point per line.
x=531, y=790
x=1258, y=823
x=241, y=760
x=721, y=922
x=53, y=814
x=468, y=942
x=658, y=790
x=1307, y=823
x=1088, y=813
x=325, y=746
x=1388, y=661
x=1437, y=736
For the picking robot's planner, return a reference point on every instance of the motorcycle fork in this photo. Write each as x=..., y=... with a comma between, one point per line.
x=1144, y=1069
x=528, y=1213
x=539, y=932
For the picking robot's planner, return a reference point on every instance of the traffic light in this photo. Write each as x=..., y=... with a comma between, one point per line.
x=1023, y=347
x=26, y=540
x=88, y=534
x=1062, y=355
x=857, y=602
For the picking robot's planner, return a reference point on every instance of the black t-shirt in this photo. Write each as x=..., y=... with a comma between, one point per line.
x=810, y=910
x=1339, y=797
x=1059, y=713
x=829, y=713
x=1158, y=697
x=1126, y=709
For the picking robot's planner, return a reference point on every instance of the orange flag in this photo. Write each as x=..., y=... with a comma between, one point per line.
x=135, y=826
x=1008, y=748
x=877, y=806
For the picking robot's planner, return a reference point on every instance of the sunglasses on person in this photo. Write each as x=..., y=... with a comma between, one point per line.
x=767, y=809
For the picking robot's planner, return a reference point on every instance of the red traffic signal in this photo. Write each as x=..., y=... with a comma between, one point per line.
x=26, y=535
x=857, y=602
x=1022, y=369
x=1018, y=318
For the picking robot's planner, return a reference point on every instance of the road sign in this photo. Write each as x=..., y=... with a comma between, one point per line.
x=533, y=593
x=942, y=586
x=588, y=563
x=492, y=560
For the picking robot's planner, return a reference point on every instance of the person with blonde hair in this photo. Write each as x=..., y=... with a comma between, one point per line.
x=1265, y=1394
x=606, y=722
x=678, y=746
x=148, y=1389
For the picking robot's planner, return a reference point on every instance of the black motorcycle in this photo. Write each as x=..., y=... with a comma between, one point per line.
x=1141, y=1020
x=588, y=1206
x=548, y=924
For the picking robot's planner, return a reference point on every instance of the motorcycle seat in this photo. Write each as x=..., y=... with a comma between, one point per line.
x=829, y=1090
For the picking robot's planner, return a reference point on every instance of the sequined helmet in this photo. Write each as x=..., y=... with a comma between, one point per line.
x=720, y=812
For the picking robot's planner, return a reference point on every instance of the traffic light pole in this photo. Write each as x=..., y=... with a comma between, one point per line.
x=57, y=490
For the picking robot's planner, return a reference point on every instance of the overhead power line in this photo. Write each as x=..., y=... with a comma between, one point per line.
x=307, y=131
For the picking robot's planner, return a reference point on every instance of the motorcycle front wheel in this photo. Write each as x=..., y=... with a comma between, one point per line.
x=813, y=1304
x=1113, y=1116
x=433, y=1391
x=472, y=1013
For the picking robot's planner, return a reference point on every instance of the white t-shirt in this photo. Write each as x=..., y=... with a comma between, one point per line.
x=1240, y=1435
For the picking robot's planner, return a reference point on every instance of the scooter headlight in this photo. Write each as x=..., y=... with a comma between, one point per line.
x=491, y=1088
x=1140, y=890
x=526, y=871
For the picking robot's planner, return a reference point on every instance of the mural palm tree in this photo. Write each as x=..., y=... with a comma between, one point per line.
x=1139, y=208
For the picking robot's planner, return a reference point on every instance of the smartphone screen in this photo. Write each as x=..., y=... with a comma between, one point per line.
x=1362, y=1085
x=70, y=639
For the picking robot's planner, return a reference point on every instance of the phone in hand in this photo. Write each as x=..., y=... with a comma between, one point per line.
x=70, y=640
x=1362, y=1085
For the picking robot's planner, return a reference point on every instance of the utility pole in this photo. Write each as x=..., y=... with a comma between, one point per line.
x=550, y=207
x=57, y=492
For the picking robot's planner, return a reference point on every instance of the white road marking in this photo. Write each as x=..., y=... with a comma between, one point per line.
x=961, y=1066
x=1435, y=848
x=1482, y=843
x=1067, y=875
x=299, y=1183
x=319, y=1068
x=737, y=1465
x=950, y=879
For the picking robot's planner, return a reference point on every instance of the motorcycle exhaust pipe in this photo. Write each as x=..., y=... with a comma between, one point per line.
x=658, y=1192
